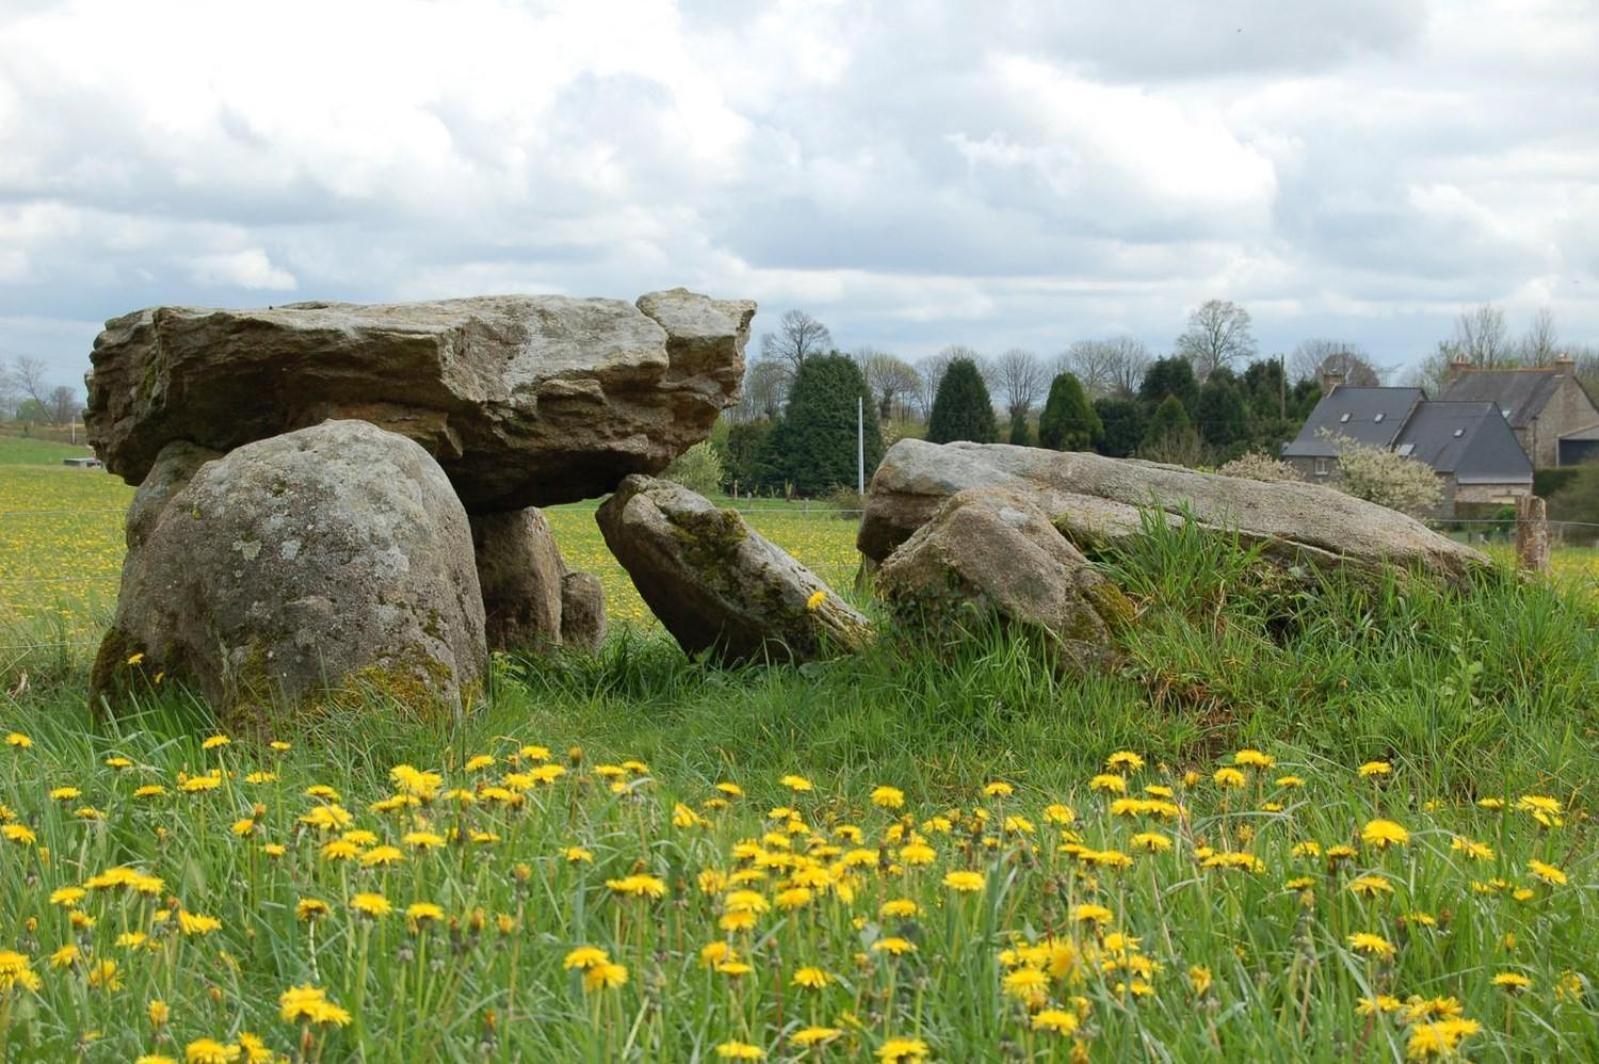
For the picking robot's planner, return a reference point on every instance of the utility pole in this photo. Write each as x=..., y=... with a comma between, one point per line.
x=860, y=446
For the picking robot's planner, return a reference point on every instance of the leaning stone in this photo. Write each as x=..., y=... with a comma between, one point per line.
x=295, y=570
x=524, y=400
x=1097, y=501
x=716, y=584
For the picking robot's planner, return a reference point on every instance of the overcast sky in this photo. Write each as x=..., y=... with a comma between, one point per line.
x=916, y=174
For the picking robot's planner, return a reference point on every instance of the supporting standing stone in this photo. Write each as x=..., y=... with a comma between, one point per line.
x=1532, y=534
x=531, y=600
x=301, y=569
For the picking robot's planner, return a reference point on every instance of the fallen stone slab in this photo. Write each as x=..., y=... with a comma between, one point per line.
x=990, y=554
x=1097, y=501
x=298, y=570
x=524, y=400
x=718, y=585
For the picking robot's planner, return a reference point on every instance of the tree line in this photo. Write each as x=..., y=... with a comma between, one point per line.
x=1211, y=399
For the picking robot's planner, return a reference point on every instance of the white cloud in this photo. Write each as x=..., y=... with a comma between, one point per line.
x=249, y=268
x=993, y=174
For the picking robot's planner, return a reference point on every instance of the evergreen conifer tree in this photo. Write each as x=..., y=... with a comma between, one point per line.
x=1069, y=421
x=962, y=409
x=813, y=446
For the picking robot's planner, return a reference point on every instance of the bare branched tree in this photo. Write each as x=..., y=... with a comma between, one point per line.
x=64, y=405
x=1481, y=338
x=1540, y=344
x=1314, y=358
x=798, y=337
x=1106, y=367
x=765, y=389
x=1022, y=379
x=1218, y=333
x=892, y=381
x=31, y=379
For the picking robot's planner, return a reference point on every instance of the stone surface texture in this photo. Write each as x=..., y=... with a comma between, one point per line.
x=718, y=585
x=295, y=569
x=524, y=400
x=528, y=589
x=1096, y=501
x=991, y=554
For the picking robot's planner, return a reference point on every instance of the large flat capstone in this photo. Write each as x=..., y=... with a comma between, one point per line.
x=523, y=400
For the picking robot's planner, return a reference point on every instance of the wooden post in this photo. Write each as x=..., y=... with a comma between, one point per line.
x=1532, y=535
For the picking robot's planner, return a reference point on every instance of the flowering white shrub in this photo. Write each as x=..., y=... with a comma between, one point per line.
x=1257, y=466
x=1388, y=479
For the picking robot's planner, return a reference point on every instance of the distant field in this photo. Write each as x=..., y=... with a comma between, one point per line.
x=61, y=541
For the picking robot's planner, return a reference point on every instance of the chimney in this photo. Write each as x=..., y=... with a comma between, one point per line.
x=1459, y=366
x=1566, y=364
x=1330, y=380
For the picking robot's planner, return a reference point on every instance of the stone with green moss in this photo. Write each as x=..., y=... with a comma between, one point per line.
x=717, y=585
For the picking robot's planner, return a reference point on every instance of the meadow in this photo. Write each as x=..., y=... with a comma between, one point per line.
x=1347, y=823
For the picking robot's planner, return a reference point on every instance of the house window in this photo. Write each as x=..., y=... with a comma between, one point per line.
x=1321, y=467
x=1376, y=417
x=1343, y=419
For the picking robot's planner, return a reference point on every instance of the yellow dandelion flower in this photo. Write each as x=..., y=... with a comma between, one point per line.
x=371, y=905
x=606, y=975
x=1229, y=777
x=965, y=882
x=1547, y=872
x=1383, y=834
x=585, y=957
x=743, y=1050
x=901, y=1050
x=197, y=924
x=1512, y=982
x=209, y=1051
x=811, y=978
x=1371, y=945
x=814, y=1035
x=888, y=797
x=638, y=886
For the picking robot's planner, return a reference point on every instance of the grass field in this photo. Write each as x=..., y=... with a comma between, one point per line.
x=61, y=541
x=1351, y=823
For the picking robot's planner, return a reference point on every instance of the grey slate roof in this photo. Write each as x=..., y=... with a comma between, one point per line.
x=1470, y=440
x=1520, y=393
x=1373, y=416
